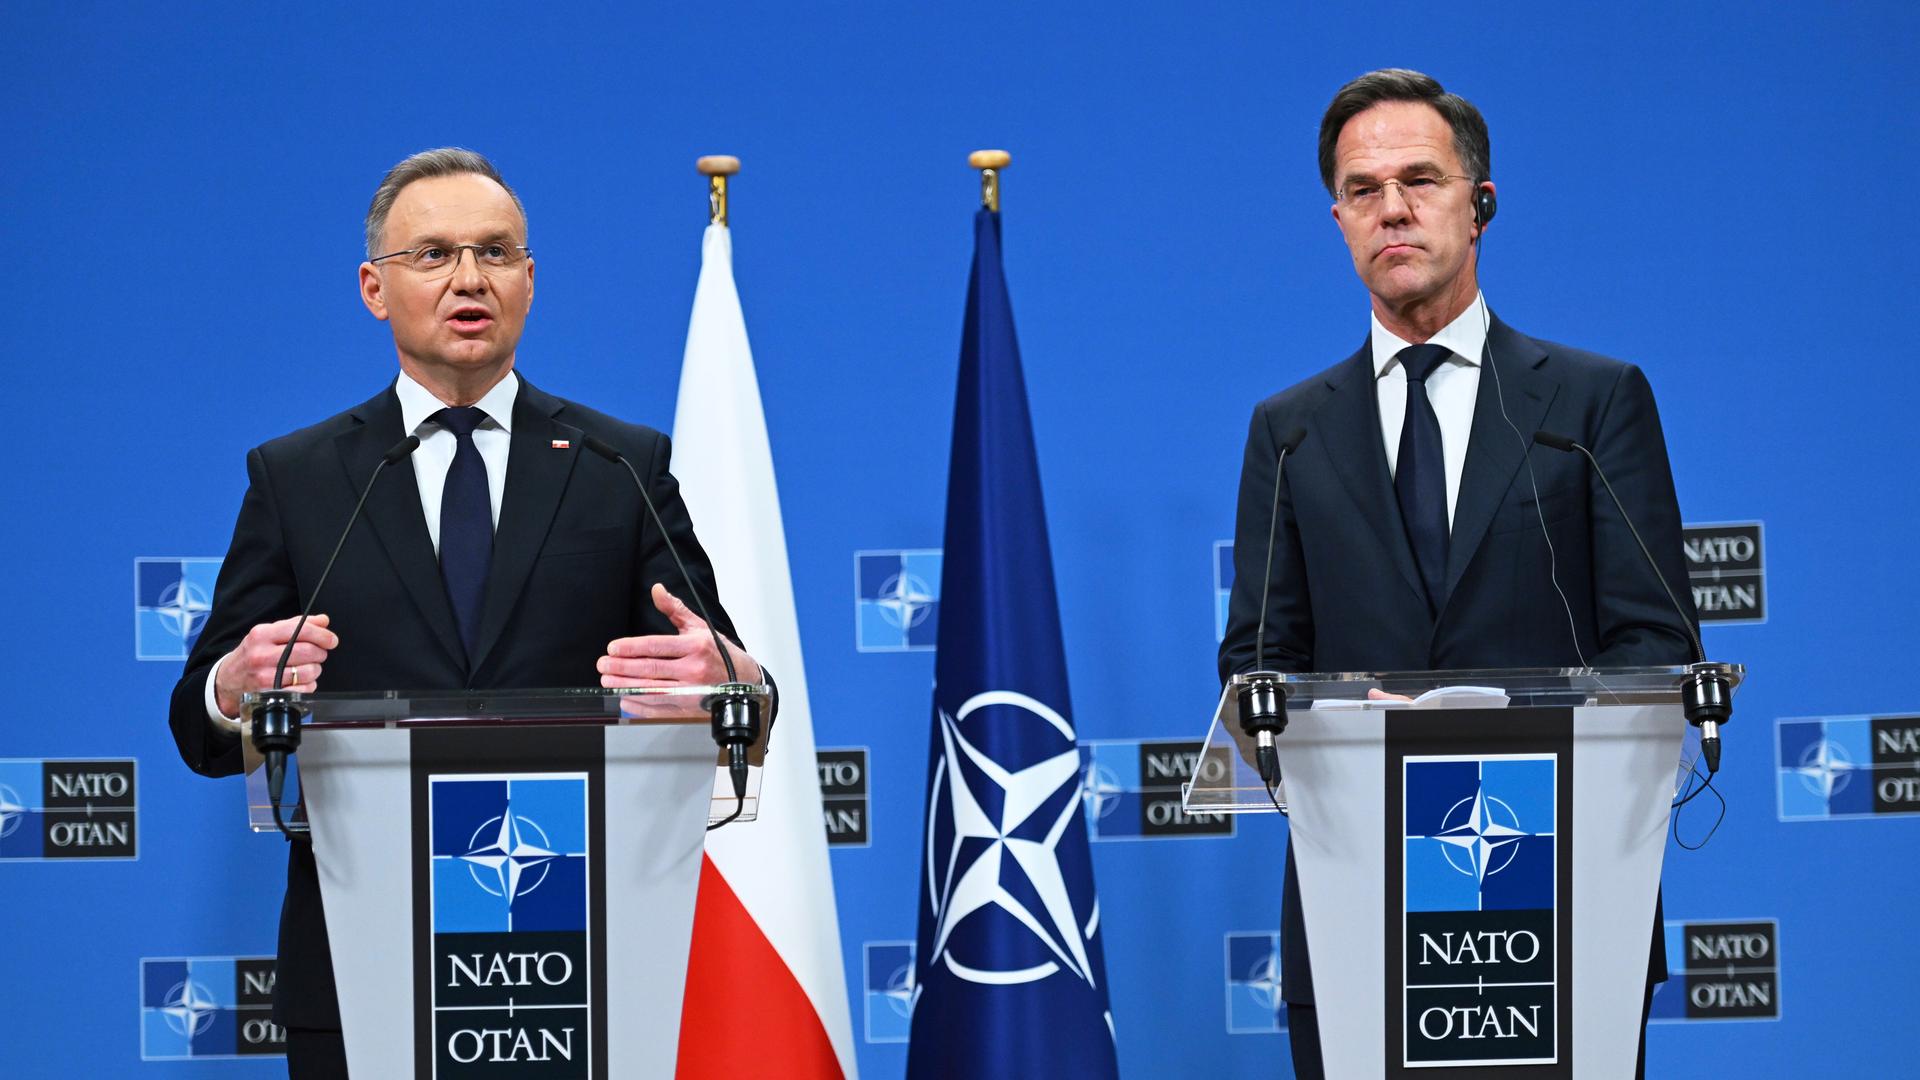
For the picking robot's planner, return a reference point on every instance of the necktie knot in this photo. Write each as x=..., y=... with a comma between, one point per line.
x=1420, y=360
x=461, y=420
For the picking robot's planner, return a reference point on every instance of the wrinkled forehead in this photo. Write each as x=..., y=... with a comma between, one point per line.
x=465, y=208
x=1394, y=138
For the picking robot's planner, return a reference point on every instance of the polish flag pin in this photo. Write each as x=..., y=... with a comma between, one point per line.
x=563, y=444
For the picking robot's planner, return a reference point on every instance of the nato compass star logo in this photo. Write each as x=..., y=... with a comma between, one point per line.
x=11, y=811
x=189, y=1008
x=1102, y=790
x=1479, y=835
x=1825, y=768
x=905, y=600
x=184, y=606
x=508, y=855
x=1003, y=854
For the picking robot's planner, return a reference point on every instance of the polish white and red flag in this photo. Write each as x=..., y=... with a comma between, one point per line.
x=765, y=962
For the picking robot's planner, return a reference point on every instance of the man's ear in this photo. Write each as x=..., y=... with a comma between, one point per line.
x=372, y=291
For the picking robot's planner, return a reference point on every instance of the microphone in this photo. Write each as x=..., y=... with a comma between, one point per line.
x=1707, y=694
x=276, y=719
x=1263, y=698
x=736, y=717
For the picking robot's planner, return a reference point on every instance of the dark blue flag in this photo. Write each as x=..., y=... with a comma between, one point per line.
x=1010, y=979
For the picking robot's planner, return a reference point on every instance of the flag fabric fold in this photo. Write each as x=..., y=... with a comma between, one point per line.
x=765, y=961
x=1010, y=978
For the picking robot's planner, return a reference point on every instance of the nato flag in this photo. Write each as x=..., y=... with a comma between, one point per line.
x=1009, y=979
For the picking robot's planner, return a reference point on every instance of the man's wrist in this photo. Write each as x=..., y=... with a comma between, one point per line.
x=214, y=713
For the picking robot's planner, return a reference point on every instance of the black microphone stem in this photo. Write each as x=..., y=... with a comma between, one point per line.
x=276, y=721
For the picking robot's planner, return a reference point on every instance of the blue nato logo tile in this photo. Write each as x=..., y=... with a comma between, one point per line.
x=22, y=822
x=1222, y=586
x=207, y=1007
x=888, y=990
x=171, y=598
x=1254, y=1005
x=896, y=599
x=509, y=854
x=1825, y=768
x=1480, y=835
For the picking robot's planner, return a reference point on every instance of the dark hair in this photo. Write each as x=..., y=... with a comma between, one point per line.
x=446, y=161
x=1399, y=84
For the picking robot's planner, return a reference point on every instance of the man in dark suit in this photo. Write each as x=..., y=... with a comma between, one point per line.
x=496, y=556
x=1416, y=529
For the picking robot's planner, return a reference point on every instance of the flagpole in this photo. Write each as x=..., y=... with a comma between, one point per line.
x=990, y=162
x=716, y=168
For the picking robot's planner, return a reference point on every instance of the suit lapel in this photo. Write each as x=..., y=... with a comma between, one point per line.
x=1351, y=434
x=537, y=474
x=393, y=512
x=1494, y=452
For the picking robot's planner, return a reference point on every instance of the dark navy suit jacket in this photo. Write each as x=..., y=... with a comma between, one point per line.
x=574, y=558
x=1347, y=595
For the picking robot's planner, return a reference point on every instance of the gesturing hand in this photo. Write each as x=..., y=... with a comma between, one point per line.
x=685, y=657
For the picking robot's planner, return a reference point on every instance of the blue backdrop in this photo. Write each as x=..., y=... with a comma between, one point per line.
x=1715, y=192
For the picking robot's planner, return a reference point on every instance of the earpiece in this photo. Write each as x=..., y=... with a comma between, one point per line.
x=1484, y=207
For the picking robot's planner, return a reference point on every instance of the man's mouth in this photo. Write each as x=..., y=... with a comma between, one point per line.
x=470, y=318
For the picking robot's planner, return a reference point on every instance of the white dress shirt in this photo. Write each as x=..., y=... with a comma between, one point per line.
x=493, y=438
x=1452, y=388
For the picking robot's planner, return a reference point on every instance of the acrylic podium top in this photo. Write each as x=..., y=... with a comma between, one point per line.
x=564, y=705
x=1519, y=686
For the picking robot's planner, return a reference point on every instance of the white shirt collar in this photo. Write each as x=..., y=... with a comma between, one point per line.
x=1465, y=337
x=417, y=403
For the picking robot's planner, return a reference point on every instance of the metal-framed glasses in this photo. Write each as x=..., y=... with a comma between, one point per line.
x=1417, y=190
x=434, y=260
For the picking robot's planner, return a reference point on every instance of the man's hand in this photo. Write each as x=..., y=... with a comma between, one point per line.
x=249, y=667
x=1377, y=694
x=684, y=658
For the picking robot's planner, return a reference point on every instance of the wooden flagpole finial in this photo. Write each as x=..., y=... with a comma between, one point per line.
x=716, y=168
x=990, y=162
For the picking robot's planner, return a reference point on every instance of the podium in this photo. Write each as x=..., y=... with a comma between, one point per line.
x=1478, y=867
x=509, y=876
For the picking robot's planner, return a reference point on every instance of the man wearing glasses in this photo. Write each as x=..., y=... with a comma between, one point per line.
x=1411, y=528
x=504, y=560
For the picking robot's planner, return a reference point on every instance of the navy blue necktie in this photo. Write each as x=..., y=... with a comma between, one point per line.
x=1420, y=475
x=466, y=523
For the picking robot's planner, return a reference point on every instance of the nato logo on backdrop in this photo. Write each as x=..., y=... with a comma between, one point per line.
x=844, y=795
x=1132, y=789
x=1726, y=568
x=888, y=990
x=1729, y=970
x=896, y=599
x=511, y=946
x=1480, y=932
x=1222, y=586
x=57, y=808
x=200, y=1007
x=171, y=598
x=1847, y=767
x=1253, y=983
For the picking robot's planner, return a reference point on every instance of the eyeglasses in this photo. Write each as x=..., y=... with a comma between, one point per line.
x=1366, y=196
x=435, y=260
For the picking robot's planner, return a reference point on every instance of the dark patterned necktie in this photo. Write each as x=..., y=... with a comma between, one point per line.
x=1420, y=477
x=466, y=523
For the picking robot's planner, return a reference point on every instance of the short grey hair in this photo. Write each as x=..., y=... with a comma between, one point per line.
x=1470, y=141
x=445, y=161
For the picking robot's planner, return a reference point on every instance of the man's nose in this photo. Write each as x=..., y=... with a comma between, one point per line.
x=467, y=278
x=1393, y=202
